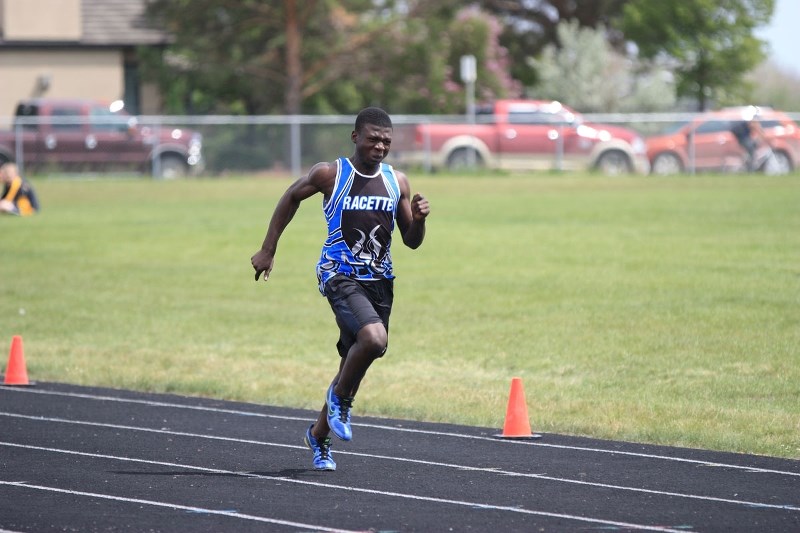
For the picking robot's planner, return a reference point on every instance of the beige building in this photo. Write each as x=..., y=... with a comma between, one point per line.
x=74, y=49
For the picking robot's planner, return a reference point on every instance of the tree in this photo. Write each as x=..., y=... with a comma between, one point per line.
x=531, y=26
x=253, y=56
x=403, y=66
x=475, y=32
x=414, y=65
x=323, y=56
x=710, y=42
x=585, y=72
x=776, y=87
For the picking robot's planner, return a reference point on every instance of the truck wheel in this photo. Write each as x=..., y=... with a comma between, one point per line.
x=464, y=158
x=172, y=166
x=666, y=163
x=614, y=163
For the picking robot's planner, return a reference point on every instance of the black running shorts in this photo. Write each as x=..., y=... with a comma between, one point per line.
x=356, y=304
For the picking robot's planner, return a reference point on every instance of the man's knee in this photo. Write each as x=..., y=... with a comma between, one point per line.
x=373, y=337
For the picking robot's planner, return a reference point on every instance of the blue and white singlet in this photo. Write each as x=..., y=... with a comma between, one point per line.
x=360, y=215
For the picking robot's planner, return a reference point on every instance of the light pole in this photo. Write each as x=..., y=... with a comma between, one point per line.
x=469, y=74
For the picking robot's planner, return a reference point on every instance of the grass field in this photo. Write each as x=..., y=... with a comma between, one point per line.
x=641, y=309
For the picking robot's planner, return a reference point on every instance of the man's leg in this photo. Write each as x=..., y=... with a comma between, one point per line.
x=321, y=428
x=370, y=345
x=362, y=313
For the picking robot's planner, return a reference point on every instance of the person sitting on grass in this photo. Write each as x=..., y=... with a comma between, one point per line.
x=18, y=196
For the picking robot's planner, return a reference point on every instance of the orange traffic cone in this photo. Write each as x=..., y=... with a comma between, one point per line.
x=16, y=373
x=517, y=425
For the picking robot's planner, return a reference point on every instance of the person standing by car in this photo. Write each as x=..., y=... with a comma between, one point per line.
x=362, y=199
x=18, y=197
x=747, y=132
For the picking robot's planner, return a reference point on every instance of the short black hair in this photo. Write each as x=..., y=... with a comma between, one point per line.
x=373, y=115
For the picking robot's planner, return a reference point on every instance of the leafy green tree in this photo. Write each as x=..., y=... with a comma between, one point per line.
x=253, y=56
x=414, y=66
x=710, y=42
x=528, y=27
x=475, y=32
x=322, y=56
x=585, y=72
x=775, y=87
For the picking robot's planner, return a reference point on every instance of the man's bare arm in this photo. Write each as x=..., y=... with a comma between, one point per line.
x=411, y=214
x=319, y=179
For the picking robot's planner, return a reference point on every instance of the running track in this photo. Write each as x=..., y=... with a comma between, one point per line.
x=88, y=459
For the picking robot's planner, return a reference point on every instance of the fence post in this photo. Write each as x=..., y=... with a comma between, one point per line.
x=560, y=148
x=295, y=145
x=19, y=152
x=156, y=163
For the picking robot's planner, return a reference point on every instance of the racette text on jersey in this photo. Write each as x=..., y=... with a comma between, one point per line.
x=367, y=203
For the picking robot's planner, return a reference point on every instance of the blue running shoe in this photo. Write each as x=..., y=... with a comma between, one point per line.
x=339, y=415
x=323, y=460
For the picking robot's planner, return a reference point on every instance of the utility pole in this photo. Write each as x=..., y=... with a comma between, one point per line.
x=469, y=74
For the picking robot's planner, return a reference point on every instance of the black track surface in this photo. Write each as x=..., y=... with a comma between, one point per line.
x=88, y=459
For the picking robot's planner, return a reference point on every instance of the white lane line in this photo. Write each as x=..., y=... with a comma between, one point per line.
x=175, y=506
x=414, y=461
x=411, y=430
x=472, y=505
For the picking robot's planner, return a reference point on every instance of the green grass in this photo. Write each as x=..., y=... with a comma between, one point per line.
x=641, y=309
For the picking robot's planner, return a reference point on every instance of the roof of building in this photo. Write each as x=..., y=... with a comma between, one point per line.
x=118, y=22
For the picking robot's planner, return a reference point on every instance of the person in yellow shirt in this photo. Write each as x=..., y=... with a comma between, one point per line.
x=18, y=196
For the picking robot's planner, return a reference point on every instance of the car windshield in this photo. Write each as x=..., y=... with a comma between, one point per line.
x=104, y=118
x=541, y=118
x=674, y=127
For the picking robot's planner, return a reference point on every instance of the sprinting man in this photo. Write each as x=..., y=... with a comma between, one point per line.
x=362, y=199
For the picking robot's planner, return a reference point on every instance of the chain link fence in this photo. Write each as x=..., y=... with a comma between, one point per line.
x=161, y=146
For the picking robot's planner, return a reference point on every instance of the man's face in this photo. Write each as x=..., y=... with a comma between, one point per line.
x=373, y=142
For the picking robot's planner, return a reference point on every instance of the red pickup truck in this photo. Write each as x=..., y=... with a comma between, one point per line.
x=523, y=135
x=74, y=134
